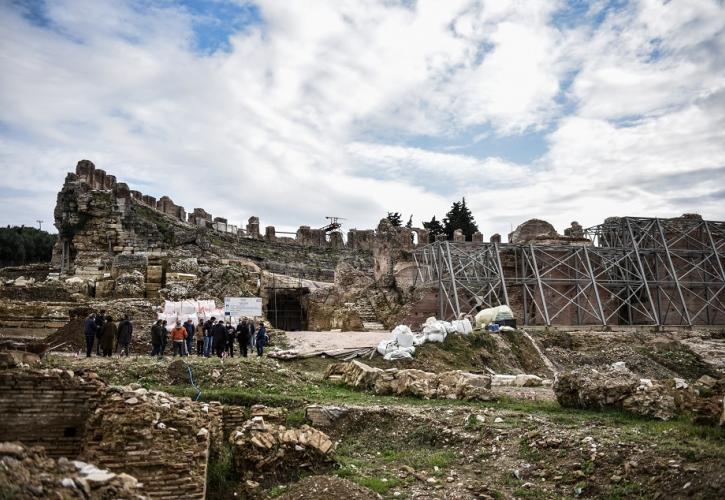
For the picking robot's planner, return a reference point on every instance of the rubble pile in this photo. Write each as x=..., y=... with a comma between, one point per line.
x=454, y=384
x=269, y=451
x=132, y=284
x=30, y=473
x=617, y=387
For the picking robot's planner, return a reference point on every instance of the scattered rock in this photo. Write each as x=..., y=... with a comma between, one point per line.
x=446, y=385
x=329, y=487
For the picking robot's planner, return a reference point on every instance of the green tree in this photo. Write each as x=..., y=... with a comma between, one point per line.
x=23, y=245
x=395, y=219
x=459, y=217
x=434, y=228
x=409, y=224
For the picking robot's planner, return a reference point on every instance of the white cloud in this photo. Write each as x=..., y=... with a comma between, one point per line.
x=314, y=112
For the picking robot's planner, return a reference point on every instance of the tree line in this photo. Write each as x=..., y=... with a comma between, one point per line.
x=458, y=217
x=21, y=245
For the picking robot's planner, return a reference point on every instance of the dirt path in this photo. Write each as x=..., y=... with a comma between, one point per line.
x=328, y=341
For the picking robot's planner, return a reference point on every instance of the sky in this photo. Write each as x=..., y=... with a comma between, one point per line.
x=297, y=110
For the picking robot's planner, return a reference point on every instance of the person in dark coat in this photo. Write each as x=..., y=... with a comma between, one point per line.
x=243, y=336
x=108, y=335
x=261, y=339
x=200, y=338
x=164, y=336
x=230, y=340
x=89, y=330
x=252, y=336
x=209, y=336
x=100, y=319
x=157, y=336
x=125, y=330
x=219, y=335
x=189, y=325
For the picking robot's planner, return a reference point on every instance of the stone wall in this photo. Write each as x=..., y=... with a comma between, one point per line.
x=162, y=441
x=98, y=217
x=48, y=409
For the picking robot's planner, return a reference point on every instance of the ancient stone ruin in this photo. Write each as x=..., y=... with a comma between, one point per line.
x=130, y=442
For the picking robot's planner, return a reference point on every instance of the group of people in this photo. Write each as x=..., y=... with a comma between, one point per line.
x=213, y=337
x=100, y=329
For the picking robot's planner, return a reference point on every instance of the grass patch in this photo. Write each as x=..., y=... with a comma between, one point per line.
x=378, y=485
x=296, y=418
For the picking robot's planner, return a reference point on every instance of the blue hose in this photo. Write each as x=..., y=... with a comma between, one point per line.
x=191, y=379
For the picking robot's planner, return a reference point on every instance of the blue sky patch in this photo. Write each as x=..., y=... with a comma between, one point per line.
x=215, y=21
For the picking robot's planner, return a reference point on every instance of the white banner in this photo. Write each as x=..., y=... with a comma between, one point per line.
x=238, y=307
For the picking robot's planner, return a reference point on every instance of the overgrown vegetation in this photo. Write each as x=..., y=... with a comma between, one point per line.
x=21, y=245
x=221, y=480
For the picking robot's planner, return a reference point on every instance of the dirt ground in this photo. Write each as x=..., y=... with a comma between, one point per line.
x=522, y=446
x=329, y=341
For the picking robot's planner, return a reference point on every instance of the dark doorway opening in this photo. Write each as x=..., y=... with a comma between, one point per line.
x=287, y=308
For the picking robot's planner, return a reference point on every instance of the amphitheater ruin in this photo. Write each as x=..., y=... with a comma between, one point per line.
x=619, y=325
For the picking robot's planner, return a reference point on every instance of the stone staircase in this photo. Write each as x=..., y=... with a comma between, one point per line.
x=365, y=310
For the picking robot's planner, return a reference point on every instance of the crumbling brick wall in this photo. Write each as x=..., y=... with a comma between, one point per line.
x=162, y=441
x=47, y=408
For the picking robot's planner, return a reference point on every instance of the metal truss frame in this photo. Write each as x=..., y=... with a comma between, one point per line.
x=644, y=271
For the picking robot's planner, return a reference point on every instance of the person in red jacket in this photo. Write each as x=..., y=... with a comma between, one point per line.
x=178, y=338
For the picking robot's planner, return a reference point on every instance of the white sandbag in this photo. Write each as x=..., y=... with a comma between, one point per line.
x=431, y=320
x=194, y=318
x=419, y=339
x=397, y=354
x=386, y=346
x=170, y=318
x=188, y=306
x=462, y=326
x=436, y=337
x=449, y=328
x=403, y=336
x=168, y=307
x=434, y=328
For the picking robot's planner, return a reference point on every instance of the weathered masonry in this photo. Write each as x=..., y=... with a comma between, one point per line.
x=147, y=434
x=626, y=271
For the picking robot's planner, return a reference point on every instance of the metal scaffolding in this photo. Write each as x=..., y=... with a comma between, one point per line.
x=637, y=271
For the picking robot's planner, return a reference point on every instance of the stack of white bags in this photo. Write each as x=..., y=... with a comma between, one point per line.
x=404, y=341
x=188, y=309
